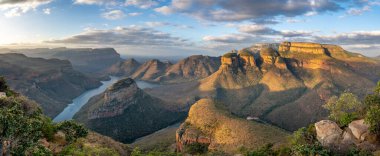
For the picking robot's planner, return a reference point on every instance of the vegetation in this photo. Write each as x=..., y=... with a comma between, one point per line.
x=196, y=148
x=345, y=108
x=372, y=117
x=137, y=152
x=72, y=130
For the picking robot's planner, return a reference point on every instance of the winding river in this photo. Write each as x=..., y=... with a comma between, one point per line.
x=69, y=112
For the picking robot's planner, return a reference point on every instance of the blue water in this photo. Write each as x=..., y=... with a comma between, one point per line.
x=80, y=101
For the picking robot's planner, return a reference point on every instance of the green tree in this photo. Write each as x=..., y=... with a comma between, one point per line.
x=20, y=126
x=72, y=130
x=345, y=108
x=372, y=102
x=3, y=85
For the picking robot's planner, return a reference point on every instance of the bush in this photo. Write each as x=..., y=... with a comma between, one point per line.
x=196, y=148
x=372, y=117
x=310, y=149
x=344, y=109
x=72, y=130
x=266, y=150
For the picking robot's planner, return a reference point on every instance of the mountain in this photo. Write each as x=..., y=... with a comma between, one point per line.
x=151, y=70
x=285, y=86
x=124, y=68
x=85, y=60
x=125, y=112
x=216, y=129
x=191, y=68
x=52, y=83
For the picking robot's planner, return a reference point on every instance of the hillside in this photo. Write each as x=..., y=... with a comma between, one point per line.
x=125, y=112
x=83, y=59
x=151, y=70
x=124, y=68
x=211, y=126
x=52, y=83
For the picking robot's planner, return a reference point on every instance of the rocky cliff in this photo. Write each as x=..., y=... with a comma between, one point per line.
x=282, y=87
x=124, y=68
x=51, y=82
x=125, y=112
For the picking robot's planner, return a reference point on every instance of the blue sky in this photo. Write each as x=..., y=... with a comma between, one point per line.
x=186, y=27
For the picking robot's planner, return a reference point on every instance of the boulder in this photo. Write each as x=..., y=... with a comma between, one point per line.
x=328, y=132
x=359, y=129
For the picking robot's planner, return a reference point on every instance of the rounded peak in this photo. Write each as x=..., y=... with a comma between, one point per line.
x=245, y=52
x=232, y=53
x=123, y=83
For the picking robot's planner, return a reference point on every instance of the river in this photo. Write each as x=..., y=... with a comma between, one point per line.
x=69, y=112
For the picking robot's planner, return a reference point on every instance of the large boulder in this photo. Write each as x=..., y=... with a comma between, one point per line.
x=359, y=129
x=328, y=132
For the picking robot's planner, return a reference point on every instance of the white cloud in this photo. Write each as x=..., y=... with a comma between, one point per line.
x=97, y=2
x=134, y=14
x=114, y=15
x=47, y=11
x=164, y=10
x=143, y=4
x=14, y=8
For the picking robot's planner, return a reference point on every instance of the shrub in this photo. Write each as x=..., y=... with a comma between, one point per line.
x=196, y=148
x=266, y=150
x=310, y=149
x=344, y=109
x=372, y=117
x=72, y=130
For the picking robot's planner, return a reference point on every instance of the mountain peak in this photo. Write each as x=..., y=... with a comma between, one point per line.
x=124, y=83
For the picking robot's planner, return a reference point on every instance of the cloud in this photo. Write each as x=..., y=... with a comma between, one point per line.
x=123, y=36
x=230, y=38
x=114, y=15
x=352, y=38
x=143, y=4
x=135, y=14
x=97, y=2
x=161, y=24
x=47, y=11
x=263, y=30
x=14, y=8
x=240, y=10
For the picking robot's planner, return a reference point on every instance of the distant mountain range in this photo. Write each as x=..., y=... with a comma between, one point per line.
x=51, y=82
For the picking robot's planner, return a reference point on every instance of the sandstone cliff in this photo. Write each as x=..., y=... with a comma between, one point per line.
x=125, y=112
x=151, y=70
x=52, y=83
x=124, y=68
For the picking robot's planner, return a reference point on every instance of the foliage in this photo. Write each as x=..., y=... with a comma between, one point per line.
x=137, y=152
x=344, y=109
x=72, y=130
x=3, y=85
x=372, y=102
x=304, y=142
x=18, y=128
x=196, y=148
x=358, y=152
x=310, y=149
x=81, y=149
x=266, y=150
x=41, y=150
x=304, y=136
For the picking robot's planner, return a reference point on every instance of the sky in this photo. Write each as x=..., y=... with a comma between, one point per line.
x=188, y=27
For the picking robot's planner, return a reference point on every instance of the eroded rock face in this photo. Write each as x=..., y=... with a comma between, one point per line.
x=328, y=132
x=302, y=47
x=187, y=135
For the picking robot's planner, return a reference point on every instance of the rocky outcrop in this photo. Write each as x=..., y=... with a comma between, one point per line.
x=302, y=47
x=330, y=135
x=187, y=135
x=125, y=112
x=52, y=83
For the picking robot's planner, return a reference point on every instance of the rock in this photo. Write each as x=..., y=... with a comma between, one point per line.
x=3, y=95
x=268, y=55
x=328, y=132
x=302, y=47
x=187, y=135
x=359, y=129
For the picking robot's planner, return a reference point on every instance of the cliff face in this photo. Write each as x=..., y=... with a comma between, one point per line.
x=52, y=83
x=298, y=78
x=125, y=112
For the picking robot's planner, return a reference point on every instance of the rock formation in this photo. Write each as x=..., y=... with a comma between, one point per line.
x=357, y=134
x=125, y=112
x=151, y=70
x=124, y=68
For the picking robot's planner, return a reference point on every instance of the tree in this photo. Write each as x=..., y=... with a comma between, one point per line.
x=345, y=108
x=72, y=130
x=20, y=126
x=3, y=85
x=372, y=102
